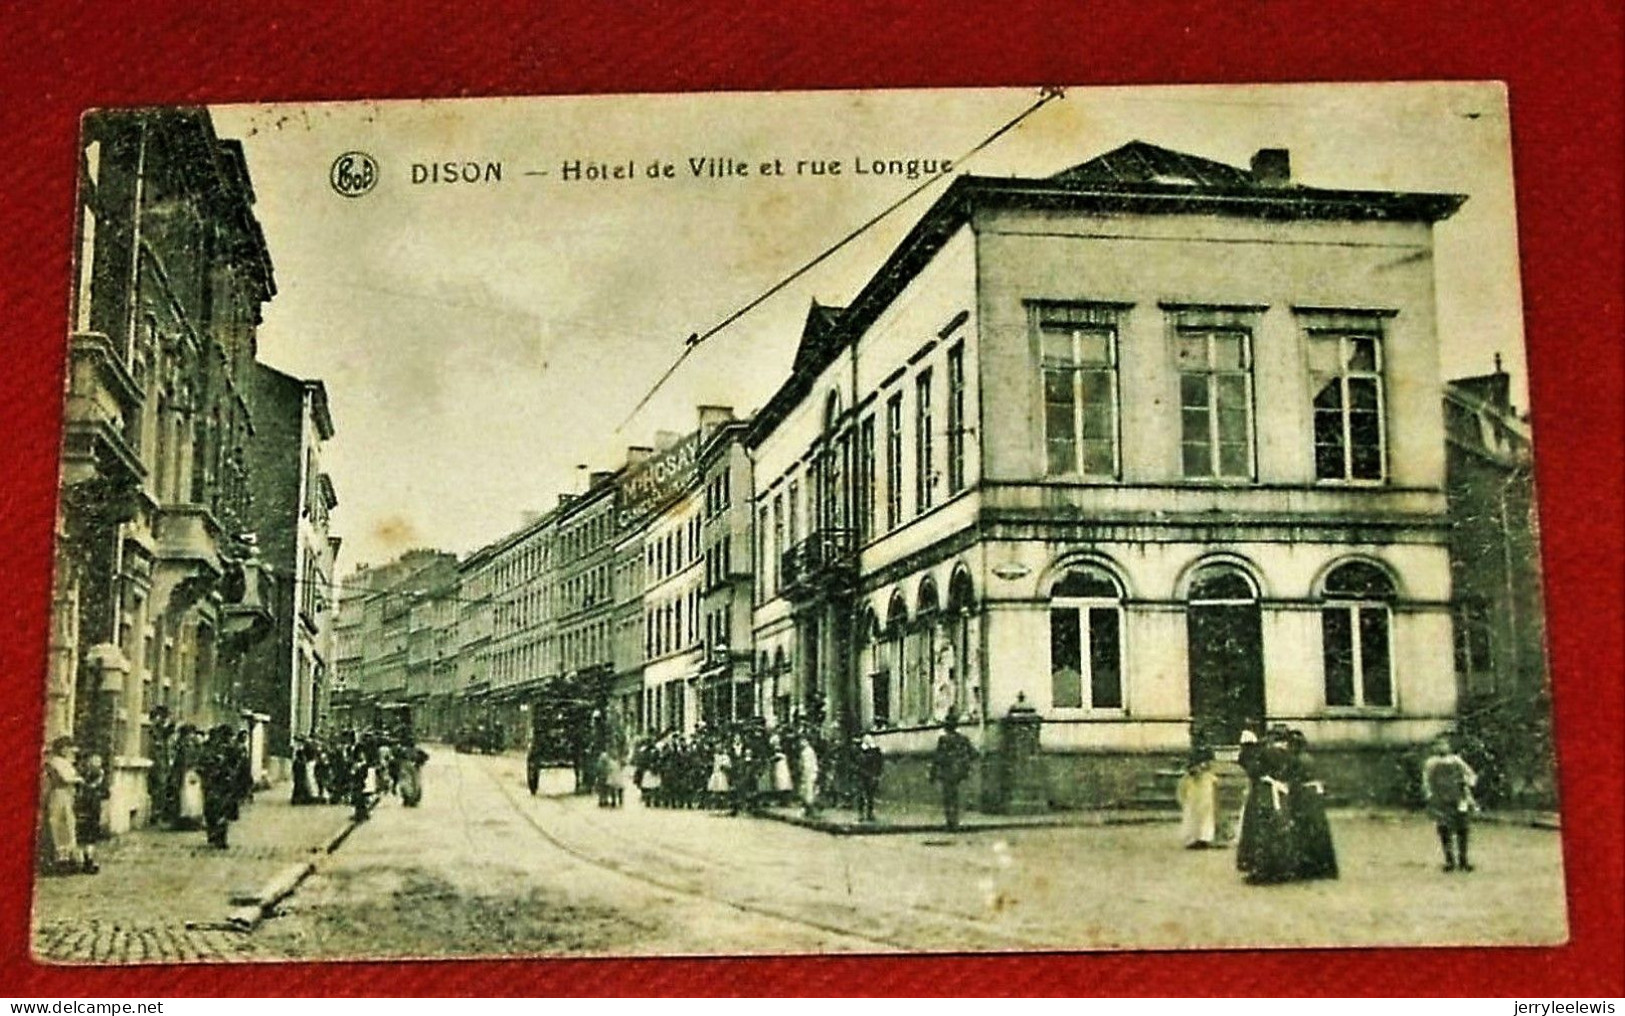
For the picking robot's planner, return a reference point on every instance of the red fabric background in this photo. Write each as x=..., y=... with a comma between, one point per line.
x=1562, y=62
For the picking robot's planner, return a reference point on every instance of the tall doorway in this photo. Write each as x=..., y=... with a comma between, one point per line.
x=1226, y=649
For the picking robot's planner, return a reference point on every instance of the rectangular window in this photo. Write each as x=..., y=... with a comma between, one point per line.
x=792, y=511
x=1473, y=645
x=778, y=538
x=880, y=695
x=1216, y=401
x=762, y=547
x=1078, y=360
x=1086, y=655
x=1376, y=675
x=1065, y=659
x=1105, y=682
x=894, y=461
x=924, y=482
x=956, y=419
x=1354, y=644
x=1345, y=365
x=866, y=479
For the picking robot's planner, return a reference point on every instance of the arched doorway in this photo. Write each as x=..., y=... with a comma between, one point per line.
x=967, y=682
x=1226, y=652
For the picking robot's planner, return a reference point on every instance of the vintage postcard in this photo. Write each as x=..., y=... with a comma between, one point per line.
x=885, y=521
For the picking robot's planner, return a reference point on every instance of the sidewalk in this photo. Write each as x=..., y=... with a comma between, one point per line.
x=915, y=817
x=909, y=817
x=164, y=896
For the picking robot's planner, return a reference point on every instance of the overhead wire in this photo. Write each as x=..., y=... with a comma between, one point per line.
x=695, y=340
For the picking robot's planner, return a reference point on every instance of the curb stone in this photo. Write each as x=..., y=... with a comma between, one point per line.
x=839, y=827
x=283, y=883
x=1122, y=817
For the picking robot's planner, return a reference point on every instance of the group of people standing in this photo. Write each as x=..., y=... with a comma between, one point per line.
x=357, y=769
x=747, y=766
x=1284, y=835
x=742, y=766
x=203, y=779
x=198, y=778
x=73, y=789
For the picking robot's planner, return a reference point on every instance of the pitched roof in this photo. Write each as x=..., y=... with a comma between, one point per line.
x=1143, y=162
x=815, y=334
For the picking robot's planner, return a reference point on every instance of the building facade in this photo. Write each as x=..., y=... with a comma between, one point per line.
x=431, y=655
x=1495, y=572
x=288, y=672
x=729, y=690
x=674, y=578
x=1152, y=446
x=159, y=591
x=388, y=621
x=584, y=597
x=516, y=577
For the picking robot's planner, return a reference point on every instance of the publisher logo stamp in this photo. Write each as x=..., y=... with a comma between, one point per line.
x=353, y=174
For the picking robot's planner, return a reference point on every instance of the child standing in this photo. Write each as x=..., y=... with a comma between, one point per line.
x=89, y=797
x=1447, y=785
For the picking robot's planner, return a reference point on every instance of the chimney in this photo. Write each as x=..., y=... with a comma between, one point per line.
x=637, y=453
x=1272, y=167
x=712, y=417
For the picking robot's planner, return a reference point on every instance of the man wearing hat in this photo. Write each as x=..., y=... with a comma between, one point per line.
x=219, y=769
x=950, y=764
x=160, y=783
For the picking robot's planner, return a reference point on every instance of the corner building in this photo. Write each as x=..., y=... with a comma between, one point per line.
x=160, y=590
x=1153, y=446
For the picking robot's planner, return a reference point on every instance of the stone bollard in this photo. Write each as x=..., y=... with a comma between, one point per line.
x=1022, y=787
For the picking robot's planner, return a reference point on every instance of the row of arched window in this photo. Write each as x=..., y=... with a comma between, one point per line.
x=919, y=666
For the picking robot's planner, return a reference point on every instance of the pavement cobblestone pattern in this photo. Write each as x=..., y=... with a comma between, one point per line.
x=163, y=896
x=485, y=869
x=1091, y=887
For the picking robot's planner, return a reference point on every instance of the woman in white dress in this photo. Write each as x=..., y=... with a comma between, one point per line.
x=718, y=787
x=807, y=777
x=61, y=784
x=783, y=785
x=1198, y=801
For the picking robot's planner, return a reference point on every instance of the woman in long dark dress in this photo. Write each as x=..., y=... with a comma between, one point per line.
x=1265, y=852
x=1316, y=857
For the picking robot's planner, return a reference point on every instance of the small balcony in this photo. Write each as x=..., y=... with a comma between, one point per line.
x=188, y=533
x=189, y=567
x=824, y=563
x=102, y=399
x=249, y=594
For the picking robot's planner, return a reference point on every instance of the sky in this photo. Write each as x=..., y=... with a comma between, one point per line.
x=482, y=342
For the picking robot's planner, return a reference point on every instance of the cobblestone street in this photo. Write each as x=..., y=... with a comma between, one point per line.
x=485, y=868
x=482, y=868
x=164, y=896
